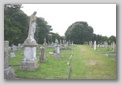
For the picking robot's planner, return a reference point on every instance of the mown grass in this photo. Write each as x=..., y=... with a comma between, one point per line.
x=85, y=64
x=89, y=64
x=53, y=68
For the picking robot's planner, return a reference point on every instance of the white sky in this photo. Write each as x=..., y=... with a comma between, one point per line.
x=102, y=17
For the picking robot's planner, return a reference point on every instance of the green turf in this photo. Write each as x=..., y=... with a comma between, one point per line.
x=90, y=64
x=85, y=64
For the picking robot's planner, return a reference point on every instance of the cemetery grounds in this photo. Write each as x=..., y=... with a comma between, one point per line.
x=84, y=63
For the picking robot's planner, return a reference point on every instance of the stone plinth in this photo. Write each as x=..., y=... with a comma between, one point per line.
x=30, y=62
x=29, y=65
x=29, y=53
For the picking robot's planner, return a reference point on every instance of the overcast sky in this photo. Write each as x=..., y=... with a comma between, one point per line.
x=102, y=17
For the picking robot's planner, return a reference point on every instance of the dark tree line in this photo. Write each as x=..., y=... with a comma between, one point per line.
x=16, y=26
x=80, y=33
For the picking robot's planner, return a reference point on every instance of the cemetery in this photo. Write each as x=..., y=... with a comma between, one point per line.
x=83, y=62
x=50, y=56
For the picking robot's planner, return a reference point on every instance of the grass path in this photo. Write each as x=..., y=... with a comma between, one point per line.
x=89, y=64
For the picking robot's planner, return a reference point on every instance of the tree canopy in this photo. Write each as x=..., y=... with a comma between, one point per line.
x=16, y=25
x=79, y=32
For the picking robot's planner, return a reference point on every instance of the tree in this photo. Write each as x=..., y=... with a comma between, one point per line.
x=15, y=24
x=42, y=30
x=79, y=32
x=112, y=39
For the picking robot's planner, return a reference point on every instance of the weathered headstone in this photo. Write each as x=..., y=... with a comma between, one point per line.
x=45, y=43
x=19, y=45
x=72, y=42
x=94, y=45
x=14, y=48
x=105, y=44
x=113, y=46
x=30, y=61
x=43, y=54
x=90, y=43
x=12, y=55
x=57, y=51
x=56, y=42
x=98, y=45
x=8, y=71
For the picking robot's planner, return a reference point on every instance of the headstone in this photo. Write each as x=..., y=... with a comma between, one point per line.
x=9, y=48
x=90, y=43
x=45, y=43
x=56, y=41
x=14, y=48
x=105, y=44
x=30, y=62
x=98, y=45
x=57, y=51
x=94, y=45
x=72, y=42
x=19, y=45
x=113, y=46
x=12, y=55
x=43, y=54
x=8, y=71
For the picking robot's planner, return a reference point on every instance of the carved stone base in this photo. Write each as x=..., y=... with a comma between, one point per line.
x=29, y=65
x=9, y=73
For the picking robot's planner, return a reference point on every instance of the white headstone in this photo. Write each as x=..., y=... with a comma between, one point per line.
x=12, y=55
x=94, y=45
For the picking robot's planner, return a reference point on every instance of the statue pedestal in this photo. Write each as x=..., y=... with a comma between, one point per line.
x=30, y=62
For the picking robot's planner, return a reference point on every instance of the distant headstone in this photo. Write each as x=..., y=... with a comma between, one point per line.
x=72, y=42
x=56, y=41
x=94, y=45
x=98, y=45
x=105, y=44
x=90, y=43
x=14, y=48
x=12, y=55
x=43, y=54
x=113, y=46
x=57, y=51
x=8, y=71
x=45, y=43
x=19, y=45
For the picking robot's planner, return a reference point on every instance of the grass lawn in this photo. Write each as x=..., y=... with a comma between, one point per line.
x=85, y=64
x=90, y=64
